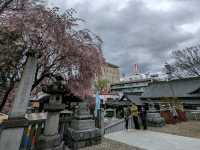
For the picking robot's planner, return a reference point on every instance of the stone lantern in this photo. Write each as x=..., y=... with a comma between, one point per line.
x=154, y=118
x=51, y=139
x=82, y=132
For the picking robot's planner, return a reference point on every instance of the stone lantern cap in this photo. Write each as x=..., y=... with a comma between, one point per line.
x=57, y=87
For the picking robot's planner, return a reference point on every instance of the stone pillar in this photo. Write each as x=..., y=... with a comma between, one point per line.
x=52, y=140
x=11, y=136
x=52, y=123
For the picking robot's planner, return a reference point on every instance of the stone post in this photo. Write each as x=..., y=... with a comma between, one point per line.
x=100, y=118
x=102, y=121
x=114, y=114
x=52, y=140
x=10, y=138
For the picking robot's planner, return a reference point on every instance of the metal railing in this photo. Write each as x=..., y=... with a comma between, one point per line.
x=118, y=126
x=193, y=114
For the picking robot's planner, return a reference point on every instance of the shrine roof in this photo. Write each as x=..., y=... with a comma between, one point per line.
x=187, y=87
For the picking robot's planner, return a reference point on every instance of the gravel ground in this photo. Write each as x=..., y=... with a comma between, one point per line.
x=111, y=145
x=189, y=129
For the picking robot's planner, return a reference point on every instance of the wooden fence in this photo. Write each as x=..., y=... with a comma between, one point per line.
x=33, y=131
x=36, y=124
x=31, y=134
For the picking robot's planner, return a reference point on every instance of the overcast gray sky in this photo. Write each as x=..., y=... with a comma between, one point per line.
x=139, y=31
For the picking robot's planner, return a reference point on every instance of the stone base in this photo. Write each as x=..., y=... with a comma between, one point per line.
x=75, y=145
x=155, y=120
x=83, y=124
x=76, y=139
x=60, y=147
x=50, y=143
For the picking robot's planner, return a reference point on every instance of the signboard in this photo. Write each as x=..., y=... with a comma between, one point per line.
x=35, y=104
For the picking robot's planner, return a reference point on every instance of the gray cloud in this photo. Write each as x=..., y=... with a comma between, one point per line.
x=139, y=34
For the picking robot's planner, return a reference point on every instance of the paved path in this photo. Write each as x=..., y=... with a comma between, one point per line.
x=155, y=140
x=111, y=145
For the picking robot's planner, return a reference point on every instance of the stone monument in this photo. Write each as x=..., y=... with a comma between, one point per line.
x=82, y=132
x=13, y=128
x=51, y=139
x=153, y=117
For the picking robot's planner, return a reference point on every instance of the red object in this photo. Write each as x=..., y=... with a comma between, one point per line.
x=167, y=115
x=33, y=140
x=182, y=116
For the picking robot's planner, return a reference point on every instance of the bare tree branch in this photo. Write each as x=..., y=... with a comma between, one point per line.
x=4, y=4
x=186, y=62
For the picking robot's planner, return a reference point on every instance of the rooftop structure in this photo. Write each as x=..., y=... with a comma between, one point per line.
x=186, y=90
x=136, y=87
x=179, y=87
